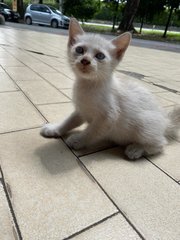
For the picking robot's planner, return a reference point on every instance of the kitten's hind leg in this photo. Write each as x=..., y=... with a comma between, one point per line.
x=57, y=130
x=135, y=151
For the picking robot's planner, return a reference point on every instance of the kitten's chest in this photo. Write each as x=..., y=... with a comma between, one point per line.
x=89, y=102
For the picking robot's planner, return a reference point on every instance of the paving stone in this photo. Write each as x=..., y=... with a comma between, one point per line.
x=59, y=80
x=41, y=67
x=22, y=74
x=143, y=193
x=163, y=102
x=112, y=229
x=6, y=83
x=68, y=93
x=170, y=97
x=1, y=70
x=6, y=232
x=51, y=61
x=169, y=161
x=41, y=92
x=17, y=113
x=55, y=113
x=10, y=62
x=52, y=195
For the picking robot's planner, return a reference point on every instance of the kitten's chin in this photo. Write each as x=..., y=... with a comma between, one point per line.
x=84, y=72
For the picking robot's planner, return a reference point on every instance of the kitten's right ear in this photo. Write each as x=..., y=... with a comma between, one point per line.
x=121, y=43
x=74, y=30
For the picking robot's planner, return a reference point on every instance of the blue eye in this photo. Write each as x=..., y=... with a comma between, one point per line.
x=100, y=56
x=80, y=50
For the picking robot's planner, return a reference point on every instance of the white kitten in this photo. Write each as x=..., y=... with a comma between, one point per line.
x=116, y=110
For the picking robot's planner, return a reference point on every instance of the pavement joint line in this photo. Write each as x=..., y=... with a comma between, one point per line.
x=141, y=76
x=166, y=88
x=40, y=77
x=97, y=151
x=11, y=91
x=167, y=174
x=44, y=63
x=52, y=103
x=44, y=118
x=21, y=130
x=113, y=202
x=91, y=226
x=17, y=228
x=90, y=175
x=136, y=75
x=28, y=50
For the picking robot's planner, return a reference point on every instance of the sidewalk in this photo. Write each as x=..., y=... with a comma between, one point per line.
x=47, y=191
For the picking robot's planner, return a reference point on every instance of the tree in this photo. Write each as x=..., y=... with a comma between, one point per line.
x=113, y=6
x=20, y=8
x=172, y=4
x=81, y=9
x=129, y=15
x=148, y=8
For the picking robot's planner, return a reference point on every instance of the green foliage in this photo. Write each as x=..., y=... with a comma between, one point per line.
x=149, y=8
x=106, y=12
x=81, y=9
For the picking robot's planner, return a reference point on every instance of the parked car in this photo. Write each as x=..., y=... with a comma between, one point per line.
x=9, y=14
x=45, y=15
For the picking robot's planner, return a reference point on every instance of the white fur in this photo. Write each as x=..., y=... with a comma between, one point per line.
x=117, y=110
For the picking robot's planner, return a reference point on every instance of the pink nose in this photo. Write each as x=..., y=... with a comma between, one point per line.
x=85, y=61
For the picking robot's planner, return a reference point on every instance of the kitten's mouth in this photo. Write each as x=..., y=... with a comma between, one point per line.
x=85, y=69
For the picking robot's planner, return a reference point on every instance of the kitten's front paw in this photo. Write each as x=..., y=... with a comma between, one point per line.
x=75, y=141
x=134, y=151
x=50, y=131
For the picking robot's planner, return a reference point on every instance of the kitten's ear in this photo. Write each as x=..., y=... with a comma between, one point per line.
x=74, y=30
x=121, y=43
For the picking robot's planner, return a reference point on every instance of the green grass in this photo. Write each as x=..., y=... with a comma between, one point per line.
x=95, y=28
x=150, y=34
x=157, y=35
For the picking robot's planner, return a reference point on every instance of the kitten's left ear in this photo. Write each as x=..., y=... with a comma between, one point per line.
x=74, y=30
x=121, y=43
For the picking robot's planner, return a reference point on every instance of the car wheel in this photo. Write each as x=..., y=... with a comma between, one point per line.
x=28, y=21
x=54, y=23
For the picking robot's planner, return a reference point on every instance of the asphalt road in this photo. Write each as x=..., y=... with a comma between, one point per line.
x=136, y=42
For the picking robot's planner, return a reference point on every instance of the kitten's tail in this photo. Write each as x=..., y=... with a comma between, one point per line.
x=174, y=123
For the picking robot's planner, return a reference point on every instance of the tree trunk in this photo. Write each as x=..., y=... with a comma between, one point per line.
x=142, y=23
x=40, y=1
x=60, y=5
x=20, y=8
x=129, y=15
x=168, y=21
x=115, y=15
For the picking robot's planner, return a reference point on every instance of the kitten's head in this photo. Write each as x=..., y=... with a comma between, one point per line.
x=93, y=57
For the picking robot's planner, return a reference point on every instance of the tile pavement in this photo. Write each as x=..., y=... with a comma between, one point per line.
x=49, y=192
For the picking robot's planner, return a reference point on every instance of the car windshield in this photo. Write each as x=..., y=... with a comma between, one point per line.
x=55, y=10
x=4, y=6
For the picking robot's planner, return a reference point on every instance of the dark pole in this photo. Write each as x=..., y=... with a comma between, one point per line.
x=168, y=21
x=115, y=14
